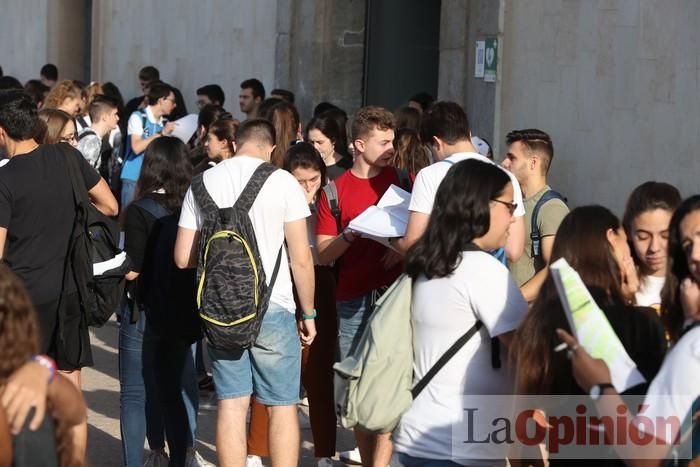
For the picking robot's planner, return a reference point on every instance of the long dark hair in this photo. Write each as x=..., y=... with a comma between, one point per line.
x=582, y=240
x=285, y=118
x=167, y=167
x=461, y=213
x=676, y=270
x=304, y=155
x=648, y=196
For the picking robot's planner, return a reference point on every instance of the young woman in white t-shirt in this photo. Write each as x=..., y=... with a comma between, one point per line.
x=675, y=391
x=646, y=219
x=456, y=284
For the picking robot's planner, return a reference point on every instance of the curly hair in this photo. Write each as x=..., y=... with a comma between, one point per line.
x=63, y=90
x=371, y=118
x=19, y=341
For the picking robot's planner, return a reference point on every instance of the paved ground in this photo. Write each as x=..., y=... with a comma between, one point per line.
x=101, y=389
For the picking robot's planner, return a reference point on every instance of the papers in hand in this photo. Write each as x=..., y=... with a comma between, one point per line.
x=388, y=219
x=591, y=327
x=185, y=128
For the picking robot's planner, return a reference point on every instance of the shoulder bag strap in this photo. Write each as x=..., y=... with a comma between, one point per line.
x=80, y=192
x=418, y=388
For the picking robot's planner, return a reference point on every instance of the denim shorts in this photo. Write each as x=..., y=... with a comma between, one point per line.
x=353, y=315
x=271, y=369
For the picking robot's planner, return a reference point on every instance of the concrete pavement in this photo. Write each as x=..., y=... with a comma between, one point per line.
x=101, y=389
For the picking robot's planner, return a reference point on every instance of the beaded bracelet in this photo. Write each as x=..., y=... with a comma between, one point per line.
x=48, y=363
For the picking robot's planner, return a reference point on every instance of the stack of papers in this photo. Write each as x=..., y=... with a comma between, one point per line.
x=386, y=220
x=592, y=328
x=185, y=128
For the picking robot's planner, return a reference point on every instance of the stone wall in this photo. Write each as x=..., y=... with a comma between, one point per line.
x=320, y=52
x=615, y=82
x=464, y=22
x=191, y=43
x=23, y=45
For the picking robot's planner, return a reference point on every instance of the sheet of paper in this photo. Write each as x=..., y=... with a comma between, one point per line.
x=388, y=219
x=592, y=328
x=185, y=128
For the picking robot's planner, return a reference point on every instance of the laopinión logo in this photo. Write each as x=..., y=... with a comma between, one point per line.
x=567, y=427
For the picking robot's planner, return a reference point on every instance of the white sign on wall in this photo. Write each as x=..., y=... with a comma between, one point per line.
x=480, y=59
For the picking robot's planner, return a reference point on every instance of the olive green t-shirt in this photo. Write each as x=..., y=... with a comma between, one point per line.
x=548, y=219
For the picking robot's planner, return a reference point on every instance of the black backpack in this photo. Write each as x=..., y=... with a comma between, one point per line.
x=94, y=258
x=165, y=292
x=232, y=293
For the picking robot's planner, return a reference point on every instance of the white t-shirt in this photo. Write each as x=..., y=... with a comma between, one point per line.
x=280, y=200
x=649, y=293
x=676, y=385
x=429, y=179
x=135, y=126
x=443, y=310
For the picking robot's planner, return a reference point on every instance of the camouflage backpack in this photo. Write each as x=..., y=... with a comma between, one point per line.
x=232, y=292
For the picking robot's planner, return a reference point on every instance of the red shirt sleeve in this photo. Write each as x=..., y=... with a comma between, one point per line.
x=325, y=224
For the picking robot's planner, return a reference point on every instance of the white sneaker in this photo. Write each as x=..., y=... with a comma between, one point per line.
x=350, y=457
x=324, y=462
x=156, y=459
x=253, y=461
x=194, y=459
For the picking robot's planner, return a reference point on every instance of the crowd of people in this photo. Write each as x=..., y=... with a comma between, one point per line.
x=481, y=233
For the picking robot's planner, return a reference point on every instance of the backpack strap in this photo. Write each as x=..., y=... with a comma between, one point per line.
x=448, y=161
x=250, y=192
x=153, y=207
x=88, y=131
x=418, y=388
x=80, y=119
x=331, y=191
x=207, y=207
x=534, y=228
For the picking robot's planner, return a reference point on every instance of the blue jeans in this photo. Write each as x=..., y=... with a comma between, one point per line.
x=128, y=189
x=142, y=410
x=410, y=461
x=353, y=315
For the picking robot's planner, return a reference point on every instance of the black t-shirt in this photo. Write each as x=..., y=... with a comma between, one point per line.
x=339, y=168
x=38, y=210
x=138, y=225
x=33, y=448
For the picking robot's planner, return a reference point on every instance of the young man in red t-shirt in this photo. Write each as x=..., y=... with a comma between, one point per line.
x=365, y=265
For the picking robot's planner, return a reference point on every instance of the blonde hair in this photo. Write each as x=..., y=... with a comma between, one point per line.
x=63, y=90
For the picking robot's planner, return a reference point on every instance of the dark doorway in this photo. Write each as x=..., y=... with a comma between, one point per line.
x=402, y=51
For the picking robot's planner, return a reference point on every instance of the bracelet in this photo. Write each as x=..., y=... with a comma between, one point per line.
x=48, y=363
x=345, y=237
x=304, y=316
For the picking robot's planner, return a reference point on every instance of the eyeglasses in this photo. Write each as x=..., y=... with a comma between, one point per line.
x=68, y=138
x=512, y=206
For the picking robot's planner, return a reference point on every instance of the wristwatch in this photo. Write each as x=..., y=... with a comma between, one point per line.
x=598, y=389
